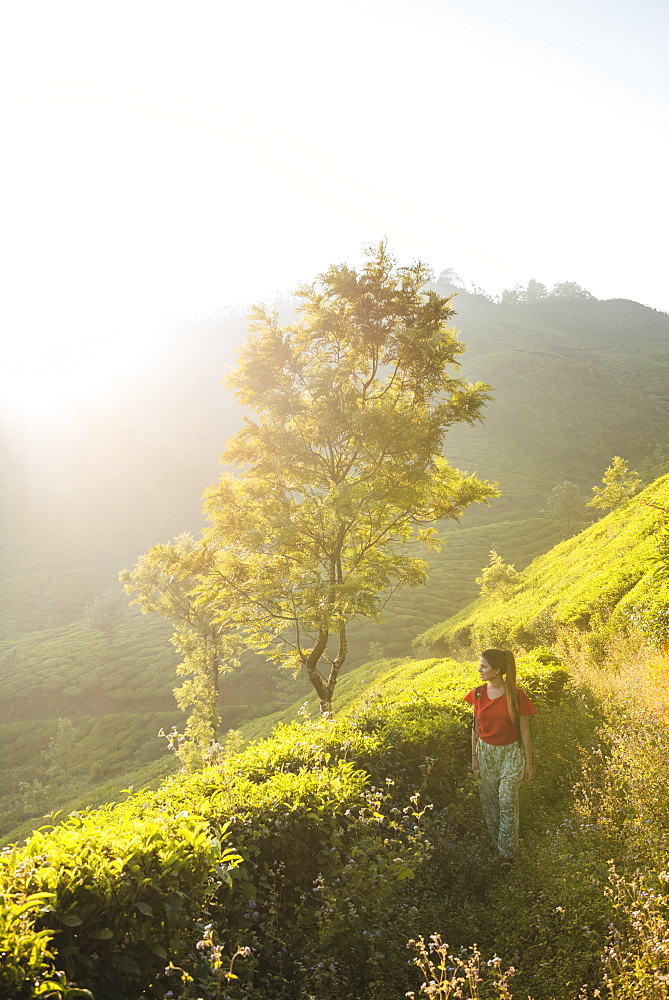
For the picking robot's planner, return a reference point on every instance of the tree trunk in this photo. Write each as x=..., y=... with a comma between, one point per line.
x=325, y=689
x=315, y=676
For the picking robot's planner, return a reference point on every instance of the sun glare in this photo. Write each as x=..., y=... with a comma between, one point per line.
x=43, y=379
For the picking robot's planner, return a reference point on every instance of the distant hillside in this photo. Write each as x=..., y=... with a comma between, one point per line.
x=601, y=579
x=576, y=381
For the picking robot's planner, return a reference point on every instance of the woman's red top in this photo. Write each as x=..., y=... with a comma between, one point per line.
x=495, y=725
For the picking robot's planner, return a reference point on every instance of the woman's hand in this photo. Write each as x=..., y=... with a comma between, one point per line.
x=475, y=765
x=526, y=744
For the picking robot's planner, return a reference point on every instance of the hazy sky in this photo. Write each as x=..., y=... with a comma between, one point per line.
x=163, y=159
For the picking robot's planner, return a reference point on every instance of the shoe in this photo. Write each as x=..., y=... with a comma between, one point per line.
x=506, y=863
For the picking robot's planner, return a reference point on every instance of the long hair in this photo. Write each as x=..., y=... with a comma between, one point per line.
x=504, y=661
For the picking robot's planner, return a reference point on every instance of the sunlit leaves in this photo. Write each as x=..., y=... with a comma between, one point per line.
x=341, y=467
x=619, y=483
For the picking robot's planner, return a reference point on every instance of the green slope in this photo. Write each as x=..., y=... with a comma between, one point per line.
x=134, y=885
x=601, y=579
x=452, y=581
x=576, y=381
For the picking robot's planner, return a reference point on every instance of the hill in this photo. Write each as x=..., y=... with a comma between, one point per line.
x=600, y=581
x=335, y=805
x=309, y=863
x=576, y=381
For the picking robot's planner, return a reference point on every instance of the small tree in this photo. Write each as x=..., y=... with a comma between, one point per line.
x=570, y=290
x=619, y=484
x=566, y=504
x=498, y=579
x=449, y=281
x=165, y=582
x=512, y=296
x=107, y=612
x=62, y=752
x=535, y=290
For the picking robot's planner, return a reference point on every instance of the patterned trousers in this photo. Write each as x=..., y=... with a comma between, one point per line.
x=502, y=770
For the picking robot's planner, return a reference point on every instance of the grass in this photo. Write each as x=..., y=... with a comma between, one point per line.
x=600, y=580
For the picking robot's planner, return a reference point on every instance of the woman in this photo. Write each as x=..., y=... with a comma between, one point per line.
x=501, y=747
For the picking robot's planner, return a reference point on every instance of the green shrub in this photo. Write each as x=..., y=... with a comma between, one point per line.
x=124, y=893
x=354, y=833
x=26, y=964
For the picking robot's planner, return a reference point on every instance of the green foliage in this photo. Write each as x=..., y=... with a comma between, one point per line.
x=570, y=290
x=61, y=754
x=73, y=670
x=637, y=957
x=50, y=764
x=498, y=577
x=107, y=612
x=536, y=291
x=620, y=483
x=590, y=901
x=600, y=581
x=123, y=892
x=165, y=582
x=660, y=563
x=341, y=465
x=449, y=977
x=333, y=821
x=567, y=506
x=27, y=968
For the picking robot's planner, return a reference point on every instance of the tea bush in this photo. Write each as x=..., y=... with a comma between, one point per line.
x=599, y=580
x=348, y=830
x=120, y=893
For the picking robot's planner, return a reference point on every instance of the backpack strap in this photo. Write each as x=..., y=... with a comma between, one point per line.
x=475, y=721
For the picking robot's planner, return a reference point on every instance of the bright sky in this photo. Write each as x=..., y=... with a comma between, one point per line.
x=164, y=159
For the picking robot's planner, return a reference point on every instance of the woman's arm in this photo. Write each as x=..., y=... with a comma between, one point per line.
x=526, y=743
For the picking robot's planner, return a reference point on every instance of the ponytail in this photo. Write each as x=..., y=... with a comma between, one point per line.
x=504, y=661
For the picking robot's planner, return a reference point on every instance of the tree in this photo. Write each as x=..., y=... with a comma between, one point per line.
x=512, y=296
x=534, y=291
x=570, y=290
x=499, y=578
x=164, y=582
x=620, y=483
x=339, y=466
x=449, y=281
x=566, y=504
x=62, y=752
x=107, y=612
x=342, y=468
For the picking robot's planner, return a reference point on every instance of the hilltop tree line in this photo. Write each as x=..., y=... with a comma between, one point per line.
x=519, y=294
